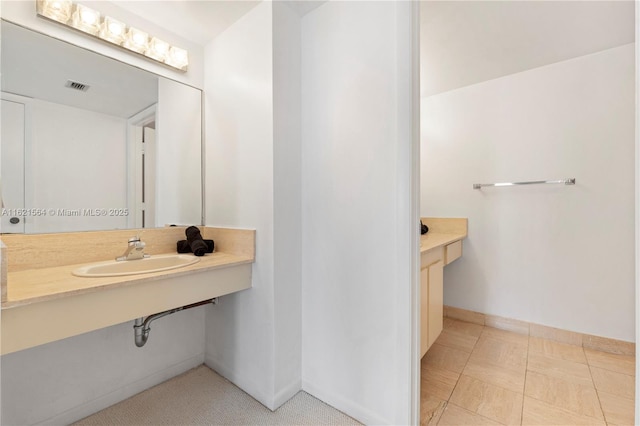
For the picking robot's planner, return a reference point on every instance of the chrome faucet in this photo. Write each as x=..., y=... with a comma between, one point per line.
x=135, y=250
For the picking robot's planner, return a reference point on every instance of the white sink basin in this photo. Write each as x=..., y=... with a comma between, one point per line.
x=132, y=267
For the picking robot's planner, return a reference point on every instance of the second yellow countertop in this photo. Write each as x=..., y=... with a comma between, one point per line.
x=442, y=231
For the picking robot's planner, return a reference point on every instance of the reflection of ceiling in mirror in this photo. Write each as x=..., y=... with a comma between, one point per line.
x=38, y=66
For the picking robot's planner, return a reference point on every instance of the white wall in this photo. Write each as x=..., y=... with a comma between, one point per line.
x=561, y=256
x=178, y=154
x=70, y=166
x=64, y=381
x=314, y=176
x=287, y=194
x=240, y=192
x=356, y=292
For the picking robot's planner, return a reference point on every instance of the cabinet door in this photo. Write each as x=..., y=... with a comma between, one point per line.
x=424, y=311
x=436, y=301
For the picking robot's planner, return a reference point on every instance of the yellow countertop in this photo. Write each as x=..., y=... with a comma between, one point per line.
x=44, y=302
x=442, y=231
x=40, y=265
x=433, y=240
x=36, y=285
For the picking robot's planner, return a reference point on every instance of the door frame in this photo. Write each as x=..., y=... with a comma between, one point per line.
x=135, y=125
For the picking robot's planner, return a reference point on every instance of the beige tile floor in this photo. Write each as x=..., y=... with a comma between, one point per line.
x=476, y=375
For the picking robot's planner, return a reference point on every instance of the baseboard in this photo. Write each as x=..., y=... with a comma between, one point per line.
x=345, y=405
x=126, y=391
x=587, y=341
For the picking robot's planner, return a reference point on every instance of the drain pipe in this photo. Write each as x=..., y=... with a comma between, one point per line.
x=141, y=326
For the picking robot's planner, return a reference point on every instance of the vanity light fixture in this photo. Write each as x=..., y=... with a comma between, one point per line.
x=113, y=31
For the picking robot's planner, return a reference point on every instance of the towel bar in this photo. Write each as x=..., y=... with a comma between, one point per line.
x=570, y=181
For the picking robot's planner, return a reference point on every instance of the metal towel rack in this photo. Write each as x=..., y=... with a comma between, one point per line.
x=570, y=181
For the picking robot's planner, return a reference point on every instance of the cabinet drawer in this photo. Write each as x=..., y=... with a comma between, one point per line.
x=452, y=252
x=431, y=256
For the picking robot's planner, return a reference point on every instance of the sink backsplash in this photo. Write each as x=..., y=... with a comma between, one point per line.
x=446, y=225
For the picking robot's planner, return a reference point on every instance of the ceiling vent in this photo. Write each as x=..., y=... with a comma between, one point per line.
x=75, y=85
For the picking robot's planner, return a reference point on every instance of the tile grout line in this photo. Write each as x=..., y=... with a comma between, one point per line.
x=459, y=376
x=589, y=366
x=604, y=417
x=606, y=367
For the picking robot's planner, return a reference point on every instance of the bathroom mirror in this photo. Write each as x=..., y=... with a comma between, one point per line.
x=91, y=143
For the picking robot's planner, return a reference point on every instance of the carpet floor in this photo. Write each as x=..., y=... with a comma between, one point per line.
x=202, y=397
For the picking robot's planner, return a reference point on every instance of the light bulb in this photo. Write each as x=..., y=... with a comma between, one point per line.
x=86, y=19
x=158, y=49
x=178, y=58
x=136, y=40
x=58, y=10
x=112, y=30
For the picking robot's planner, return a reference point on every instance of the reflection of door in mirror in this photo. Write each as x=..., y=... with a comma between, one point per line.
x=148, y=172
x=142, y=168
x=82, y=165
x=12, y=167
